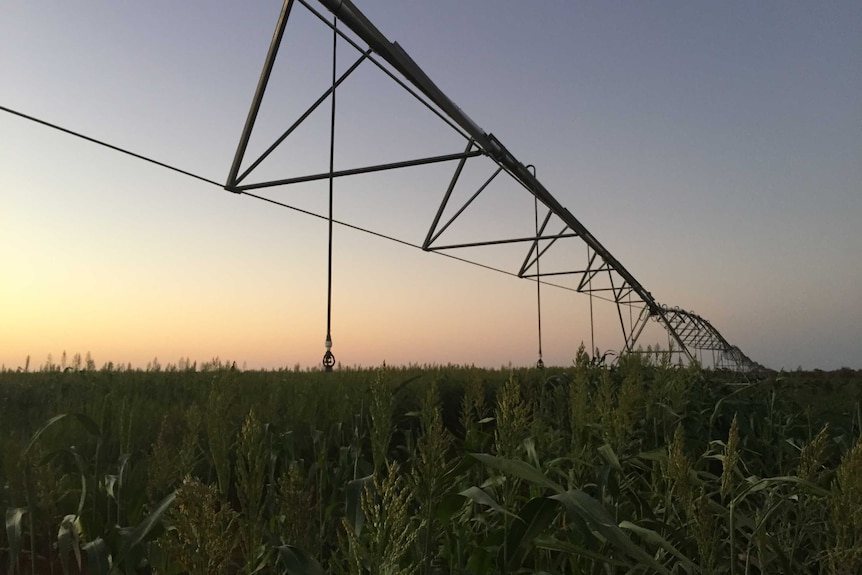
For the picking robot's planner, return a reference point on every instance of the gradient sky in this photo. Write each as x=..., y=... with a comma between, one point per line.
x=714, y=147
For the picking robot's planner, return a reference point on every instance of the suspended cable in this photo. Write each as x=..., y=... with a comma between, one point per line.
x=410, y=244
x=592, y=328
x=328, y=358
x=110, y=146
x=539, y=364
x=288, y=206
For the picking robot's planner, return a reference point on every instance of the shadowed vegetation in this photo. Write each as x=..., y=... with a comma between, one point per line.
x=642, y=467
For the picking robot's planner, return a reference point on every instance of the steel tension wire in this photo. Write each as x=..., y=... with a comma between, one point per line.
x=276, y=202
x=109, y=146
x=539, y=364
x=406, y=243
x=328, y=358
x=592, y=325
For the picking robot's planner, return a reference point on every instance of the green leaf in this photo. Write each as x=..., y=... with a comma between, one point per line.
x=578, y=503
x=122, y=463
x=298, y=562
x=462, y=466
x=14, y=517
x=449, y=505
x=610, y=456
x=553, y=544
x=494, y=481
x=530, y=448
x=780, y=554
x=518, y=469
x=86, y=422
x=82, y=469
x=535, y=516
x=730, y=396
x=140, y=532
x=761, y=484
x=599, y=520
x=654, y=538
x=353, y=513
x=480, y=496
x=67, y=541
x=111, y=483
x=97, y=557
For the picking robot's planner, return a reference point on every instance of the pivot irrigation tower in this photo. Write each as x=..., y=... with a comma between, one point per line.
x=600, y=275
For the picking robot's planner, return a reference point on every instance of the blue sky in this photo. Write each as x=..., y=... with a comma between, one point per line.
x=714, y=148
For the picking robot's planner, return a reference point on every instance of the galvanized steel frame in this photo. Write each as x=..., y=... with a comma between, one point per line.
x=687, y=332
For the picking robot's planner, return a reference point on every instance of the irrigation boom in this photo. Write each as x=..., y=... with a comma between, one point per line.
x=603, y=274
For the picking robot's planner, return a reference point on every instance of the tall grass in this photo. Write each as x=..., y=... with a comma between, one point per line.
x=641, y=467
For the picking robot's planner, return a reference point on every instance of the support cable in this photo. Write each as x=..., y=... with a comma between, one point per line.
x=109, y=146
x=592, y=328
x=539, y=364
x=410, y=244
x=328, y=358
x=283, y=204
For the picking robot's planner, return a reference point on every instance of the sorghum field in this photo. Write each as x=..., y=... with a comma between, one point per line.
x=639, y=467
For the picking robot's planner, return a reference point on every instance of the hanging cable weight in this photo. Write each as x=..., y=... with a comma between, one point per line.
x=328, y=357
x=539, y=364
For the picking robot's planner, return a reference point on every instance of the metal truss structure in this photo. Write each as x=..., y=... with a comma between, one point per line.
x=601, y=275
x=698, y=334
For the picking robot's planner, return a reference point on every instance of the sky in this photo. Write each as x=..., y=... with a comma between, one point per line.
x=713, y=148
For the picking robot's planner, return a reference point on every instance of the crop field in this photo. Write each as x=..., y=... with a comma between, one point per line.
x=639, y=467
